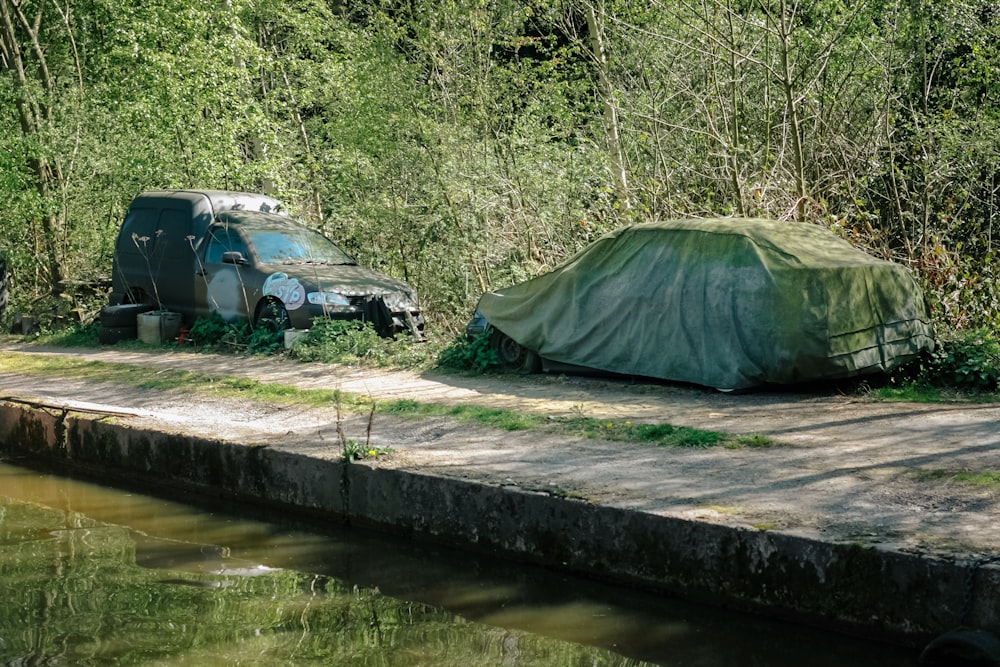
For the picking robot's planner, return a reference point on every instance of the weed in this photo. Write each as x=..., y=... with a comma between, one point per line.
x=751, y=441
x=764, y=526
x=352, y=451
x=970, y=360
x=981, y=478
x=210, y=331
x=353, y=341
x=929, y=475
x=507, y=420
x=988, y=478
x=476, y=355
x=965, y=366
x=666, y=435
x=265, y=340
x=77, y=335
x=913, y=392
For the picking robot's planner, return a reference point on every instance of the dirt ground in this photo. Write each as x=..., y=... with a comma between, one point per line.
x=845, y=466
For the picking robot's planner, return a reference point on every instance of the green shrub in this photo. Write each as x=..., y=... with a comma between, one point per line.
x=343, y=341
x=75, y=335
x=970, y=360
x=264, y=340
x=209, y=331
x=475, y=355
x=212, y=331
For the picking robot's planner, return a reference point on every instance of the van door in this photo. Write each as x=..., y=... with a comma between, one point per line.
x=175, y=259
x=224, y=280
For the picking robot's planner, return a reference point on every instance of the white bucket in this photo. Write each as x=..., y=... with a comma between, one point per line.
x=158, y=326
x=291, y=335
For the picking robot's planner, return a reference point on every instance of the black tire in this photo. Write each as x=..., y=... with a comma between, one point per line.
x=273, y=316
x=123, y=315
x=964, y=646
x=111, y=335
x=512, y=355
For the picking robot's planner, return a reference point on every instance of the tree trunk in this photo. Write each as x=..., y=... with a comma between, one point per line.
x=610, y=111
x=791, y=109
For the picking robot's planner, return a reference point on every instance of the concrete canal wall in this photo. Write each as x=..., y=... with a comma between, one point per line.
x=861, y=589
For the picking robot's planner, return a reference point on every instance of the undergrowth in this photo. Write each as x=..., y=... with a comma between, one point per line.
x=964, y=366
x=476, y=355
x=352, y=341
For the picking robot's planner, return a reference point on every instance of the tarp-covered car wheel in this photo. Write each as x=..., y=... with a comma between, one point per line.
x=512, y=355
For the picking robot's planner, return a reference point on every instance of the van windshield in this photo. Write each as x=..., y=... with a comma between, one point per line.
x=282, y=246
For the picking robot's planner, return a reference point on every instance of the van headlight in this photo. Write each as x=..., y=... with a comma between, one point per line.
x=328, y=299
x=398, y=302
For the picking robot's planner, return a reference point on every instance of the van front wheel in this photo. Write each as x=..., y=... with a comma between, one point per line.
x=273, y=316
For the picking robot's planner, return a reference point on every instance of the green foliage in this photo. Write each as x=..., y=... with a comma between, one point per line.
x=665, y=435
x=214, y=333
x=476, y=355
x=265, y=340
x=209, y=331
x=987, y=478
x=354, y=451
x=353, y=342
x=77, y=335
x=912, y=392
x=465, y=146
x=970, y=360
x=751, y=441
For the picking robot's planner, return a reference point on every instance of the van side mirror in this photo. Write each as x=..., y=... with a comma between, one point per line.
x=233, y=257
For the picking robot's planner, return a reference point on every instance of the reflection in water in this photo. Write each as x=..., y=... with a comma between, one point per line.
x=91, y=575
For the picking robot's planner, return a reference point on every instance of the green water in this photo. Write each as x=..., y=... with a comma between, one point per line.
x=91, y=575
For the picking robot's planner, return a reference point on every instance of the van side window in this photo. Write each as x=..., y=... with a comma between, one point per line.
x=221, y=241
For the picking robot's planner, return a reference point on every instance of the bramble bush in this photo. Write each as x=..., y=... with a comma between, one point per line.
x=969, y=360
x=476, y=355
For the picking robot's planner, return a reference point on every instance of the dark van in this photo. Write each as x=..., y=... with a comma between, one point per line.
x=241, y=255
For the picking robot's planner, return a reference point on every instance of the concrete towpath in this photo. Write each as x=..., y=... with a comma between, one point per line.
x=846, y=470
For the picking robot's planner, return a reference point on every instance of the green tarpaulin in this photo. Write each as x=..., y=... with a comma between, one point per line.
x=729, y=303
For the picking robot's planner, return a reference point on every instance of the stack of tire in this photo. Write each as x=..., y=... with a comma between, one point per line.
x=118, y=323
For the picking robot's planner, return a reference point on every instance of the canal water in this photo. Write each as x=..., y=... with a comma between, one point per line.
x=92, y=575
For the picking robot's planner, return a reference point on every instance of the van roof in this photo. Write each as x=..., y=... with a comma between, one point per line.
x=259, y=219
x=217, y=200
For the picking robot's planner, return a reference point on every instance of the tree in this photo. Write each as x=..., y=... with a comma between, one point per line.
x=36, y=86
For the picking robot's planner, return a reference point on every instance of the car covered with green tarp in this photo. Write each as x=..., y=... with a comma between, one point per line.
x=725, y=303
